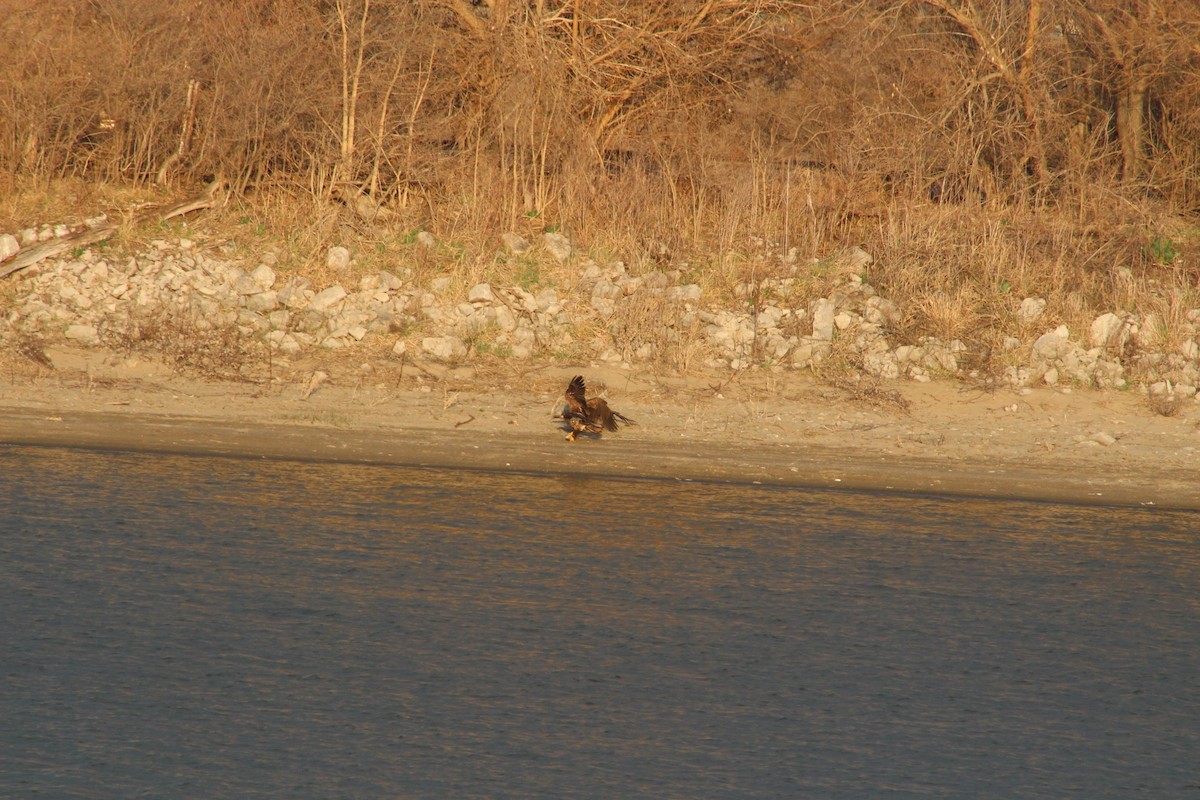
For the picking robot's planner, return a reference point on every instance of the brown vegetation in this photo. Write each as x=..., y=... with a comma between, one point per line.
x=982, y=150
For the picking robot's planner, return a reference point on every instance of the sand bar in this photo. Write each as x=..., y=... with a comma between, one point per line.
x=1081, y=447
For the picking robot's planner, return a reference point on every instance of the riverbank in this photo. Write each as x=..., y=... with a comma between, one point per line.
x=1079, y=446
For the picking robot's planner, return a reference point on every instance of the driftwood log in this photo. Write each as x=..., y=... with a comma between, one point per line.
x=213, y=196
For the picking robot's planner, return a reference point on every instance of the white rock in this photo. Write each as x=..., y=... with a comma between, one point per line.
x=857, y=259
x=473, y=325
x=84, y=334
x=629, y=284
x=689, y=293
x=338, y=259
x=769, y=317
x=1104, y=438
x=444, y=347
x=290, y=346
x=426, y=239
x=438, y=285
x=1051, y=376
x=823, y=312
x=505, y=319
x=8, y=246
x=327, y=299
x=656, y=279
x=1031, y=309
x=882, y=311
x=603, y=289
x=244, y=284
x=525, y=335
x=262, y=302
x=881, y=363
x=295, y=294
x=558, y=245
x=264, y=276
x=480, y=293
x=516, y=243
x=1051, y=345
x=802, y=354
x=399, y=348
x=940, y=357
x=528, y=301
x=546, y=300
x=1109, y=329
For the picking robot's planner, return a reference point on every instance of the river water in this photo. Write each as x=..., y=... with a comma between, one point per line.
x=179, y=627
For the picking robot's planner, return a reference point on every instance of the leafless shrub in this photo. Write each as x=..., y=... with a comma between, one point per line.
x=1165, y=404
x=189, y=344
x=646, y=327
x=871, y=392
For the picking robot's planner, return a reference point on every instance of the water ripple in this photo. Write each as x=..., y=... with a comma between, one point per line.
x=188, y=627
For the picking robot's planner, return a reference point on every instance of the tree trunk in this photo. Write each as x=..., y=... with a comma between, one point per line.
x=1131, y=126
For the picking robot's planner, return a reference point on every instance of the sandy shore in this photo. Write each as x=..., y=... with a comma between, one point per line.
x=763, y=428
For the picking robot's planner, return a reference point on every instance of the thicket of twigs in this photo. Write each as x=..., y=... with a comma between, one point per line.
x=977, y=147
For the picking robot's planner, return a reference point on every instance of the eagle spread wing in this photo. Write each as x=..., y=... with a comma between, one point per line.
x=576, y=402
x=590, y=416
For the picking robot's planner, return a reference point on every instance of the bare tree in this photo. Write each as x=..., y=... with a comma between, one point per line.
x=1138, y=47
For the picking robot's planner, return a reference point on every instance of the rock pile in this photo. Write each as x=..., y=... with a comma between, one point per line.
x=92, y=298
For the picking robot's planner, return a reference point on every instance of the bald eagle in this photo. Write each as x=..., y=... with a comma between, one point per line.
x=589, y=415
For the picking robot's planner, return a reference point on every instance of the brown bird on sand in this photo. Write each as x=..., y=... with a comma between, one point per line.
x=589, y=415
